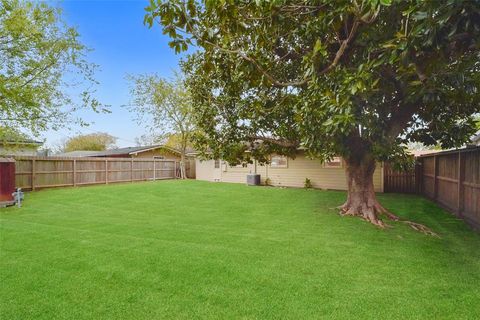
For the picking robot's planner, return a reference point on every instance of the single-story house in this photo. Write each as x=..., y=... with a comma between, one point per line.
x=160, y=152
x=284, y=171
x=476, y=139
x=20, y=147
x=156, y=151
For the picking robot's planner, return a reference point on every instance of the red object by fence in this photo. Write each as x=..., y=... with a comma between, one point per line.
x=7, y=180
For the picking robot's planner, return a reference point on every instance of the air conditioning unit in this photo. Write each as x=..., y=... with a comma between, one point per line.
x=253, y=179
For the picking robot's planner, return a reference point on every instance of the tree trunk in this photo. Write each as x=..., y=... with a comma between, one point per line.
x=361, y=198
x=182, y=166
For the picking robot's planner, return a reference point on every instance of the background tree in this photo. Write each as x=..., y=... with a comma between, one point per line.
x=8, y=134
x=175, y=141
x=477, y=121
x=90, y=142
x=149, y=139
x=167, y=106
x=42, y=67
x=358, y=79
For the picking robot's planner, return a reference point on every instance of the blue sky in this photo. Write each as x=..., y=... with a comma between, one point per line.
x=121, y=45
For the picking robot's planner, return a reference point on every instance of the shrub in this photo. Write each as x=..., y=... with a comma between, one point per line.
x=308, y=184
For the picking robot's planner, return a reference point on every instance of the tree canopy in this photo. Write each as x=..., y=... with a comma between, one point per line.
x=44, y=74
x=8, y=134
x=90, y=142
x=359, y=79
x=326, y=74
x=167, y=106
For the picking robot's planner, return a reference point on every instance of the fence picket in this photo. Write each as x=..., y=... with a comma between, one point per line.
x=48, y=172
x=450, y=178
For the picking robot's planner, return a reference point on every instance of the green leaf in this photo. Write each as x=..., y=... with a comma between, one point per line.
x=318, y=46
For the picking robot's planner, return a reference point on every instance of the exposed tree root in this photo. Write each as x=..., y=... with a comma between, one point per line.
x=367, y=213
x=371, y=213
x=414, y=225
x=361, y=199
x=420, y=228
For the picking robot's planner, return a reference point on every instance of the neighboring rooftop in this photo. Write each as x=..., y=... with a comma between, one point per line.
x=78, y=153
x=115, y=152
x=418, y=153
x=476, y=138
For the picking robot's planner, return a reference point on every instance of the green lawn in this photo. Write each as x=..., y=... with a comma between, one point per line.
x=190, y=250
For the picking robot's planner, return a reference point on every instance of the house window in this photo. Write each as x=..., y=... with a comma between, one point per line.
x=240, y=165
x=279, y=161
x=217, y=164
x=159, y=157
x=335, y=162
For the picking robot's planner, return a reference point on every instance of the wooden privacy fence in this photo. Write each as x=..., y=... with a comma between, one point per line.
x=400, y=181
x=46, y=172
x=452, y=178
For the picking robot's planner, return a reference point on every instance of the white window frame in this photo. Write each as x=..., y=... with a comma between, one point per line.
x=215, y=162
x=282, y=166
x=238, y=166
x=330, y=165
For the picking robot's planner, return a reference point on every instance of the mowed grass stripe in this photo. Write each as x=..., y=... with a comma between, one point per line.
x=190, y=249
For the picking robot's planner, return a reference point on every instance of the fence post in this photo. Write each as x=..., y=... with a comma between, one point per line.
x=435, y=174
x=34, y=174
x=131, y=170
x=461, y=178
x=106, y=171
x=74, y=172
x=154, y=169
x=421, y=169
x=414, y=177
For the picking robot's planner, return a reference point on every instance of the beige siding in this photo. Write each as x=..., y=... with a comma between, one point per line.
x=234, y=174
x=294, y=175
x=239, y=174
x=204, y=169
x=301, y=168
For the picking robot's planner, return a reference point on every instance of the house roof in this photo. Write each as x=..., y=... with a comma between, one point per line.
x=78, y=153
x=476, y=138
x=418, y=153
x=134, y=150
x=116, y=152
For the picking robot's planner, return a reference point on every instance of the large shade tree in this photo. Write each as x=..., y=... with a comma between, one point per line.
x=164, y=106
x=353, y=78
x=44, y=74
x=91, y=142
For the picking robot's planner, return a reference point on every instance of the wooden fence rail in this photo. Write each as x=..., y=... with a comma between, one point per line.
x=404, y=181
x=452, y=179
x=46, y=172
